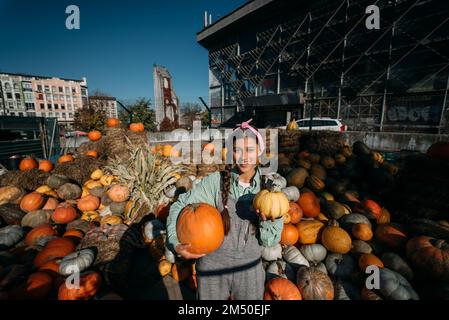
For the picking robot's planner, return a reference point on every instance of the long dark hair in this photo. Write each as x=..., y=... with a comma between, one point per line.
x=225, y=189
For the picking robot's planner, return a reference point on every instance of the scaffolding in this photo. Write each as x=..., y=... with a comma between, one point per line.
x=371, y=79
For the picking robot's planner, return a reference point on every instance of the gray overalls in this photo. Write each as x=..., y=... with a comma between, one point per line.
x=236, y=267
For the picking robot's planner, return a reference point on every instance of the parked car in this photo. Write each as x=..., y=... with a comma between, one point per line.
x=321, y=124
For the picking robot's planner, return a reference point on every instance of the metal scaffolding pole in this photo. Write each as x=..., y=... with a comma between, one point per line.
x=342, y=76
x=443, y=109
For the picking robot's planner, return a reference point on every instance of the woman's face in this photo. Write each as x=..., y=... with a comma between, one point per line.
x=245, y=154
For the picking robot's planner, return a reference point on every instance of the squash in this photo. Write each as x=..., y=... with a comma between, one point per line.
x=340, y=159
x=65, y=158
x=28, y=163
x=328, y=162
x=112, y=122
x=107, y=180
x=12, y=195
x=90, y=216
x=369, y=259
x=75, y=235
x=334, y=209
x=37, y=287
x=76, y=262
x=64, y=214
x=271, y=204
x=55, y=248
x=137, y=127
x=391, y=234
x=289, y=235
x=315, y=183
x=118, y=208
x=297, y=177
x=348, y=221
x=393, y=286
x=272, y=253
x=51, y=204
x=164, y=267
x=304, y=163
x=10, y=235
x=394, y=262
x=309, y=231
x=11, y=214
x=69, y=191
x=39, y=232
x=430, y=256
x=201, y=226
x=111, y=220
x=89, y=285
x=291, y=192
x=362, y=231
x=32, y=201
x=281, y=289
x=275, y=182
x=88, y=203
x=35, y=218
x=318, y=171
x=384, y=217
x=340, y=265
x=314, y=253
x=314, y=284
x=118, y=193
x=56, y=180
x=373, y=207
x=293, y=256
x=292, y=125
x=94, y=135
x=326, y=196
x=336, y=239
x=96, y=174
x=314, y=158
x=295, y=212
x=280, y=269
x=359, y=246
x=309, y=204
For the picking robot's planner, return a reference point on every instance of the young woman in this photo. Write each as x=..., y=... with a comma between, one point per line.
x=235, y=269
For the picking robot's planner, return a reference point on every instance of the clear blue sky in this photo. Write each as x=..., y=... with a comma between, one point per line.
x=117, y=45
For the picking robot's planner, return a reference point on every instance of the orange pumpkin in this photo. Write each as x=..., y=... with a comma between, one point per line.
x=88, y=287
x=74, y=235
x=167, y=150
x=28, y=164
x=369, y=259
x=56, y=248
x=112, y=122
x=289, y=235
x=51, y=204
x=88, y=203
x=137, y=127
x=65, y=158
x=336, y=239
x=94, y=135
x=295, y=212
x=38, y=287
x=32, y=201
x=51, y=268
x=391, y=234
x=39, y=232
x=118, y=193
x=373, y=207
x=362, y=231
x=92, y=153
x=64, y=214
x=309, y=204
x=309, y=231
x=281, y=289
x=201, y=226
x=46, y=165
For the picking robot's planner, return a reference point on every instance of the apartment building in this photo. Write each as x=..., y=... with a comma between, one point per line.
x=108, y=104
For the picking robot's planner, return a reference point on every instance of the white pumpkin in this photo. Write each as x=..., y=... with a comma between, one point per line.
x=272, y=253
x=292, y=255
x=10, y=235
x=76, y=262
x=292, y=193
x=275, y=182
x=153, y=229
x=314, y=253
x=280, y=269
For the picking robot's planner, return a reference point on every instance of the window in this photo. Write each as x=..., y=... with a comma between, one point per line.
x=7, y=87
x=10, y=105
x=47, y=89
x=70, y=115
x=56, y=106
x=28, y=96
x=64, y=115
x=39, y=88
x=12, y=113
x=53, y=89
x=27, y=85
x=42, y=106
x=48, y=96
x=69, y=107
x=29, y=106
x=9, y=95
x=20, y=114
x=75, y=106
x=16, y=86
x=49, y=106
x=67, y=90
x=61, y=89
x=73, y=90
x=17, y=96
x=67, y=98
x=83, y=92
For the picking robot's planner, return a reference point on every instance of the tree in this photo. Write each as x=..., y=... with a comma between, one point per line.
x=193, y=111
x=141, y=112
x=88, y=119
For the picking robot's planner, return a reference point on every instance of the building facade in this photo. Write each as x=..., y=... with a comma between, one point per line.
x=38, y=96
x=166, y=100
x=276, y=59
x=107, y=104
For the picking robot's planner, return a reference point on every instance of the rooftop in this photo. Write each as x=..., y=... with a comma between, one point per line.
x=38, y=77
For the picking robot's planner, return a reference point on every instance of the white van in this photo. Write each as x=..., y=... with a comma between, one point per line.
x=321, y=124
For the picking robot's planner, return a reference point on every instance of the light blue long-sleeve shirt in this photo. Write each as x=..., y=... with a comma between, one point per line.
x=208, y=191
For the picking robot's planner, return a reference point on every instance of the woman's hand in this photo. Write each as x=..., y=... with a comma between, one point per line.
x=263, y=217
x=182, y=250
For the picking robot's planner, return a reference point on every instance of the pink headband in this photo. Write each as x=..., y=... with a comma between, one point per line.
x=245, y=126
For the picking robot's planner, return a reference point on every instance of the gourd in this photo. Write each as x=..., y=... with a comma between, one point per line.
x=10, y=235
x=293, y=256
x=76, y=262
x=291, y=192
x=271, y=204
x=272, y=253
x=336, y=239
x=314, y=253
x=394, y=262
x=281, y=289
x=314, y=284
x=340, y=265
x=393, y=286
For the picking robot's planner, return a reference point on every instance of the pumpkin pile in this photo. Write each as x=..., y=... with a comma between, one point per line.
x=336, y=229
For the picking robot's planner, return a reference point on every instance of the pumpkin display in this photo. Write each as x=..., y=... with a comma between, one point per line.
x=65, y=158
x=201, y=226
x=393, y=286
x=32, y=201
x=280, y=269
x=271, y=204
x=35, y=218
x=391, y=235
x=76, y=262
x=295, y=212
x=294, y=257
x=362, y=231
x=12, y=195
x=430, y=256
x=118, y=193
x=291, y=192
x=289, y=235
x=88, y=287
x=336, y=239
x=314, y=253
x=112, y=122
x=369, y=259
x=281, y=289
x=69, y=191
x=314, y=284
x=64, y=214
x=39, y=232
x=395, y=262
x=340, y=265
x=46, y=165
x=137, y=127
x=28, y=163
x=309, y=231
x=55, y=248
x=88, y=203
x=297, y=177
x=272, y=253
x=164, y=267
x=94, y=135
x=309, y=204
x=10, y=235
